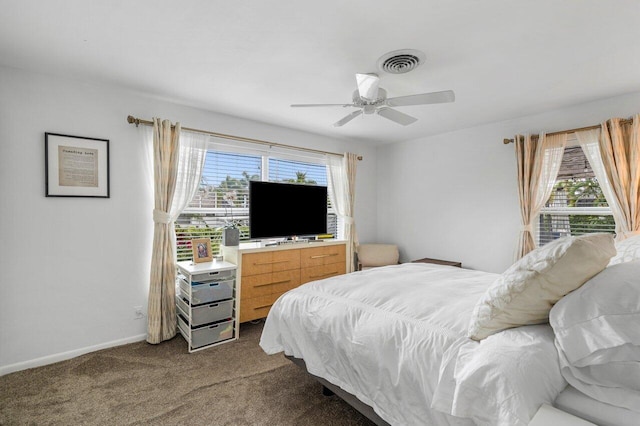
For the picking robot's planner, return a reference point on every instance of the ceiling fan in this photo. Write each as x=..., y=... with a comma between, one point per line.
x=371, y=98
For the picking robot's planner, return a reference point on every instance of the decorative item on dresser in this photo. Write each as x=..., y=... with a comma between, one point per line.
x=265, y=273
x=206, y=303
x=438, y=262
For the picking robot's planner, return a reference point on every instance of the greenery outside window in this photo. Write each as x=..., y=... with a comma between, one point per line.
x=577, y=205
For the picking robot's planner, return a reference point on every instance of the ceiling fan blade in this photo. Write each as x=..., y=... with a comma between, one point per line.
x=397, y=116
x=368, y=86
x=320, y=105
x=422, y=99
x=347, y=119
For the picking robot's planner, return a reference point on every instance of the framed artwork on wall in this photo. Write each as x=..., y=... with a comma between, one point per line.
x=201, y=250
x=76, y=166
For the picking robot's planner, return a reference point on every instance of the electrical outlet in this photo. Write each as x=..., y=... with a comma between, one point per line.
x=137, y=311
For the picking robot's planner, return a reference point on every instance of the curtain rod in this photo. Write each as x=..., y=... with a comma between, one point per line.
x=138, y=121
x=579, y=129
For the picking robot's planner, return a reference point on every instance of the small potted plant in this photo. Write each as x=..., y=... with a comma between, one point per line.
x=231, y=234
x=231, y=229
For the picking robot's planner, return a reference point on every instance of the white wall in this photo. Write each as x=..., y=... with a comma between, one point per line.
x=73, y=269
x=454, y=196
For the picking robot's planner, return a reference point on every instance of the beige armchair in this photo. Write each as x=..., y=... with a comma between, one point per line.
x=373, y=255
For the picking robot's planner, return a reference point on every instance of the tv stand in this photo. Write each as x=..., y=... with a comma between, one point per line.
x=297, y=241
x=264, y=273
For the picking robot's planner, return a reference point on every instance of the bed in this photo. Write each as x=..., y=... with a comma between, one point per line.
x=394, y=341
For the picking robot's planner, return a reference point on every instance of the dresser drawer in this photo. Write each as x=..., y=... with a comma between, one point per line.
x=273, y=261
x=321, y=272
x=257, y=307
x=263, y=284
x=322, y=255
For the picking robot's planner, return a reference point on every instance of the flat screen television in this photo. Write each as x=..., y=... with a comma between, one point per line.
x=279, y=210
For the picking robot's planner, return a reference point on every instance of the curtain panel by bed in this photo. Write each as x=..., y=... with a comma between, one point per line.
x=589, y=141
x=538, y=162
x=341, y=175
x=177, y=162
x=620, y=151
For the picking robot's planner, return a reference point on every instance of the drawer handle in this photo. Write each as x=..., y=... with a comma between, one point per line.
x=323, y=255
x=273, y=283
x=324, y=275
x=263, y=306
x=269, y=263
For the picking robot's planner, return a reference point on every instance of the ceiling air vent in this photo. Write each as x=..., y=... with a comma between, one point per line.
x=400, y=61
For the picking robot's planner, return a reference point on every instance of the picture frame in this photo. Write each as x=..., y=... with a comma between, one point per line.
x=201, y=248
x=76, y=166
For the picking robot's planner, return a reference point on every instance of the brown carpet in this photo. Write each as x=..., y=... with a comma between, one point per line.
x=141, y=384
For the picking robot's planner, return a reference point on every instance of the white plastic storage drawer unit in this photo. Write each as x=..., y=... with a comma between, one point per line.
x=207, y=292
x=206, y=303
x=207, y=313
x=214, y=275
x=208, y=334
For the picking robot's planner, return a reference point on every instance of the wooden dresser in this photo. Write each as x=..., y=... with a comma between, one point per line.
x=264, y=273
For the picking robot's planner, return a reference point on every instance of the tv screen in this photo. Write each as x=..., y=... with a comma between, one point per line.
x=285, y=210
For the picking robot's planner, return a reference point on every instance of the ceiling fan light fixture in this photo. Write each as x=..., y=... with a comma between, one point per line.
x=368, y=86
x=401, y=61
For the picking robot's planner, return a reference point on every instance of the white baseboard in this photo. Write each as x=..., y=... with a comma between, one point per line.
x=50, y=359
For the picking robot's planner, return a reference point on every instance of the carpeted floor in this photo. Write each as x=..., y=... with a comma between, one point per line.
x=141, y=384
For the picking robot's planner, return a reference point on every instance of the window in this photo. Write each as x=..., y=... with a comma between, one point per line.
x=577, y=205
x=223, y=194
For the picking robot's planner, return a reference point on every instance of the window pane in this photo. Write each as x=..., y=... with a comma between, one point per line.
x=225, y=180
x=222, y=198
x=307, y=173
x=576, y=188
x=297, y=172
x=553, y=226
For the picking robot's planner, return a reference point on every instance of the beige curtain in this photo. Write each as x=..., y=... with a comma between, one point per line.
x=620, y=151
x=590, y=143
x=162, y=309
x=341, y=175
x=538, y=162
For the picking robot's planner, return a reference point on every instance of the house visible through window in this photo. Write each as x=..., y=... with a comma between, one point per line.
x=577, y=205
x=223, y=195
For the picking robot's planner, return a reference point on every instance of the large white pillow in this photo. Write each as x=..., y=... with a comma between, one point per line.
x=525, y=293
x=627, y=250
x=597, y=335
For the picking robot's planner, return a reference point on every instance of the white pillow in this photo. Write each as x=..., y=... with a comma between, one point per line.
x=524, y=293
x=628, y=250
x=596, y=323
x=597, y=335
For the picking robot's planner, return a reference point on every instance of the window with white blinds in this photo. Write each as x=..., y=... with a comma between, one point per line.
x=223, y=195
x=577, y=205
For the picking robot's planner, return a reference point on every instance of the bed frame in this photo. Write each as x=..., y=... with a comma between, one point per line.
x=329, y=389
x=543, y=417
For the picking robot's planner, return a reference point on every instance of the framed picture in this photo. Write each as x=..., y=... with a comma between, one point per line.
x=201, y=250
x=76, y=166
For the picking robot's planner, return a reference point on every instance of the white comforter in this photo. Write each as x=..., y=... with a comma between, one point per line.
x=395, y=337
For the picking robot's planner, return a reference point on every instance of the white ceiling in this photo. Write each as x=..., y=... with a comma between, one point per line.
x=253, y=58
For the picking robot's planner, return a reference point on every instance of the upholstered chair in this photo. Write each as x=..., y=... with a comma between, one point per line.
x=374, y=255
